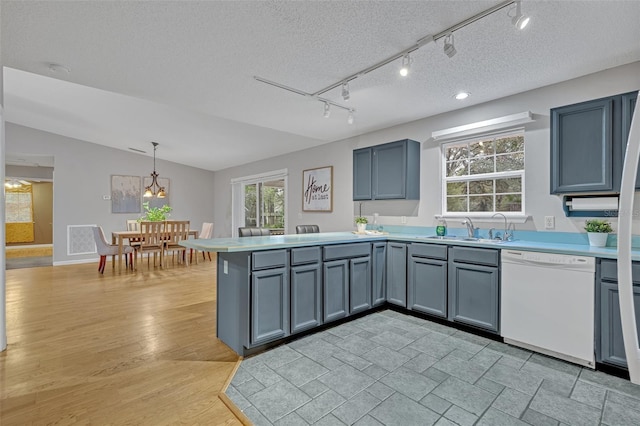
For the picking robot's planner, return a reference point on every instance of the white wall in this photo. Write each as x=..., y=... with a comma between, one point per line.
x=539, y=202
x=82, y=175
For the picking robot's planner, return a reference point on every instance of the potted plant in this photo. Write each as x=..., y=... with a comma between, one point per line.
x=598, y=231
x=361, y=223
x=155, y=214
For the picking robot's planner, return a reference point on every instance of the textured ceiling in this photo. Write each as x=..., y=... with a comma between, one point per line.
x=181, y=72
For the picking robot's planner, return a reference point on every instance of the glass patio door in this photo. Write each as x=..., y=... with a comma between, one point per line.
x=260, y=201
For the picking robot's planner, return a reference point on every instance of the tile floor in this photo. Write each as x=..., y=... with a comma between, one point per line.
x=392, y=369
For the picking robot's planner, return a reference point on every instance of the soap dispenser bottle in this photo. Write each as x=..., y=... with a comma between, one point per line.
x=441, y=228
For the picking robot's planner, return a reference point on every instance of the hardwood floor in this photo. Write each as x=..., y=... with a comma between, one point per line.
x=128, y=348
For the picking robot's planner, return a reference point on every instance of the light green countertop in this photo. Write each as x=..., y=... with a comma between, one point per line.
x=248, y=244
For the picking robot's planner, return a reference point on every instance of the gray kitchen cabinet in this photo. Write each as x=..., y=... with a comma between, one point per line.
x=269, y=305
x=378, y=272
x=427, y=279
x=628, y=106
x=392, y=172
x=397, y=273
x=336, y=289
x=588, y=143
x=346, y=280
x=609, y=341
x=306, y=289
x=362, y=173
x=474, y=287
x=359, y=284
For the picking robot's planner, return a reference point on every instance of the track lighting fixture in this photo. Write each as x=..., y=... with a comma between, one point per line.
x=519, y=20
x=345, y=91
x=406, y=64
x=449, y=48
x=350, y=117
x=327, y=110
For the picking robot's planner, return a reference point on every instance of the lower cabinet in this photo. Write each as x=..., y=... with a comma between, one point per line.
x=269, y=305
x=474, y=287
x=359, y=284
x=336, y=289
x=397, y=273
x=346, y=280
x=427, y=279
x=610, y=342
x=306, y=297
x=378, y=272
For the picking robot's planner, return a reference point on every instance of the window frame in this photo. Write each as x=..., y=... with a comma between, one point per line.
x=444, y=180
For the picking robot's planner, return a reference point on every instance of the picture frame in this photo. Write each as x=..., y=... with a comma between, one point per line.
x=317, y=189
x=126, y=192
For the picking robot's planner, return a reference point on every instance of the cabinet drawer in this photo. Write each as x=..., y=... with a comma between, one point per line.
x=268, y=259
x=300, y=256
x=476, y=256
x=609, y=270
x=345, y=251
x=431, y=251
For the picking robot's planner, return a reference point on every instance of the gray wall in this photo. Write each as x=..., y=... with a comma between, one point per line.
x=539, y=202
x=82, y=175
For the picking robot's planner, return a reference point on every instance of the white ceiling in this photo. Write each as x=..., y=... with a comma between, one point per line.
x=181, y=72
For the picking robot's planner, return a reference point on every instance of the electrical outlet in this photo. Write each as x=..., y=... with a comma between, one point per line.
x=549, y=222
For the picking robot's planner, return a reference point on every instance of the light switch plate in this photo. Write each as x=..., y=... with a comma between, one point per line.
x=549, y=222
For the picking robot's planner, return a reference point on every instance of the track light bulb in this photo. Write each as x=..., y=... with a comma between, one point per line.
x=406, y=64
x=327, y=110
x=345, y=91
x=449, y=48
x=519, y=20
x=350, y=118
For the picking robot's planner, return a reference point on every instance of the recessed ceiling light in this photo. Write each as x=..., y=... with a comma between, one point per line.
x=462, y=95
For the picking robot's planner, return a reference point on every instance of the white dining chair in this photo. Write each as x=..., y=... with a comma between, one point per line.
x=105, y=249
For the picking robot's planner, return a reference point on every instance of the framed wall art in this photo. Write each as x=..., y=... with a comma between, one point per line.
x=125, y=194
x=317, y=189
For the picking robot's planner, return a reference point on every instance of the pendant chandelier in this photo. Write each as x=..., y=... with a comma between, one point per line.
x=154, y=189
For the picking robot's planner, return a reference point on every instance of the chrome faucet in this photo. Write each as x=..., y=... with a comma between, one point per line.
x=505, y=236
x=509, y=235
x=471, y=230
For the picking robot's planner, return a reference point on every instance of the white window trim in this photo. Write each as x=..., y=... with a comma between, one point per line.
x=519, y=217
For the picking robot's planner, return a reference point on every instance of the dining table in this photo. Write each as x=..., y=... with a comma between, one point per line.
x=118, y=237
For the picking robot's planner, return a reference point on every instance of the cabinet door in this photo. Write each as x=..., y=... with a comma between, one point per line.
x=362, y=174
x=474, y=295
x=379, y=270
x=269, y=305
x=397, y=274
x=427, y=286
x=611, y=340
x=306, y=297
x=336, y=289
x=628, y=107
x=389, y=171
x=359, y=284
x=581, y=147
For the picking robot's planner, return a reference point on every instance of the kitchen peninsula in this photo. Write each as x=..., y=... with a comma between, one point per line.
x=271, y=288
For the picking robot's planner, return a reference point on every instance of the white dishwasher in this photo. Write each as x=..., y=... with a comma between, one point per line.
x=547, y=304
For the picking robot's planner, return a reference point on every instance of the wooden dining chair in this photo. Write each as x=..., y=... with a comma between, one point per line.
x=152, y=241
x=134, y=225
x=176, y=231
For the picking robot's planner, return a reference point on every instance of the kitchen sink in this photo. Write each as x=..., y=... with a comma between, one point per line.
x=469, y=239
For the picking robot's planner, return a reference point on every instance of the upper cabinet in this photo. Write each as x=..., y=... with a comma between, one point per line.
x=388, y=171
x=588, y=142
